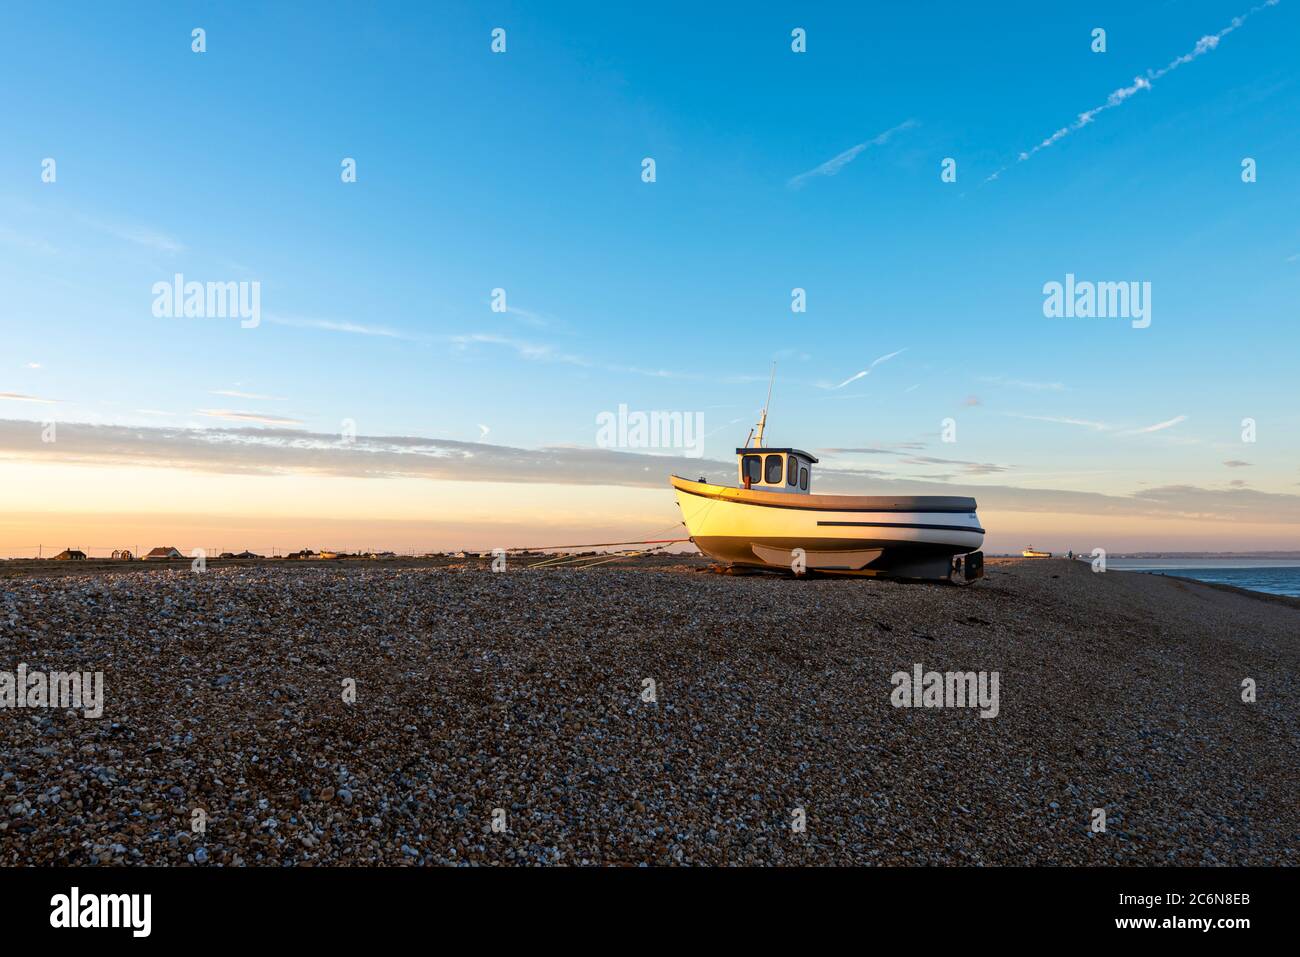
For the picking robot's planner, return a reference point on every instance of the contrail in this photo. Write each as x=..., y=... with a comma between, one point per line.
x=1204, y=45
x=867, y=371
x=1159, y=426
x=836, y=163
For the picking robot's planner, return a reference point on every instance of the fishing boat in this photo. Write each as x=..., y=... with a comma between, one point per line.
x=772, y=519
x=1031, y=552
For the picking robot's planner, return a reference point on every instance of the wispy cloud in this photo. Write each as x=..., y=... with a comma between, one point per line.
x=1064, y=420
x=278, y=451
x=967, y=467
x=837, y=163
x=233, y=394
x=1023, y=384
x=1102, y=426
x=260, y=417
x=1158, y=427
x=20, y=397
x=543, y=352
x=334, y=325
x=1121, y=95
x=905, y=452
x=892, y=448
x=867, y=371
x=528, y=317
x=22, y=241
x=1236, y=464
x=139, y=235
x=535, y=351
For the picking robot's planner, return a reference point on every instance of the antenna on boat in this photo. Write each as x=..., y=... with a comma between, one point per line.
x=762, y=422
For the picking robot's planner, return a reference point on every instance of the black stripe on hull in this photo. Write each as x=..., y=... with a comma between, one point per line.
x=941, y=528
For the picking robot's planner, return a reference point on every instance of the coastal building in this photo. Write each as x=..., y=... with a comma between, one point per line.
x=162, y=554
x=122, y=555
x=70, y=555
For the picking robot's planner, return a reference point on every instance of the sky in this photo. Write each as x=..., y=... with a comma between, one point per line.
x=436, y=342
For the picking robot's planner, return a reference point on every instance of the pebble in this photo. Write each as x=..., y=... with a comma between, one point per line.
x=523, y=691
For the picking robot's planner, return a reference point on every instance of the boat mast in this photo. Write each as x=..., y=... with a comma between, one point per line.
x=762, y=421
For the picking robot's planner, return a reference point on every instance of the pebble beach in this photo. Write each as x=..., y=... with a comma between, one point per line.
x=653, y=712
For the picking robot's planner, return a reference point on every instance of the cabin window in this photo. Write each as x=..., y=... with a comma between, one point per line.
x=792, y=470
x=803, y=479
x=752, y=468
x=774, y=466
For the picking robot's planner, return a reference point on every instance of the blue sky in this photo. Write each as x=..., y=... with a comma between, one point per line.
x=522, y=171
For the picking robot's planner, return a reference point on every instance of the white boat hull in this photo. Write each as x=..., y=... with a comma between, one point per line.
x=911, y=537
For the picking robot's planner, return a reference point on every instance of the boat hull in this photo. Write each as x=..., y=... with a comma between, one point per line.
x=904, y=537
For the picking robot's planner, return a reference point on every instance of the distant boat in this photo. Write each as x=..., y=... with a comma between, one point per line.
x=772, y=520
x=1031, y=552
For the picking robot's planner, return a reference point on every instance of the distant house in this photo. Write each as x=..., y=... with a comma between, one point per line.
x=382, y=555
x=244, y=554
x=122, y=555
x=70, y=555
x=306, y=553
x=328, y=554
x=163, y=554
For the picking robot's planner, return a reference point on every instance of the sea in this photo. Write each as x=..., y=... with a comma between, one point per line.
x=1277, y=576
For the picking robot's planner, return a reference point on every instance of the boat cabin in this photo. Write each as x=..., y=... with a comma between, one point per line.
x=775, y=470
